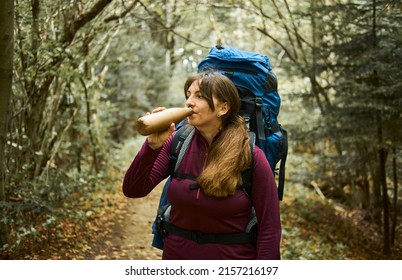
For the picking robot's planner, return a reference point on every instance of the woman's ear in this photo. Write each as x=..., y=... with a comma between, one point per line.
x=223, y=108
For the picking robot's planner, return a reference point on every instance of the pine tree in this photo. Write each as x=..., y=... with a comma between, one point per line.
x=361, y=52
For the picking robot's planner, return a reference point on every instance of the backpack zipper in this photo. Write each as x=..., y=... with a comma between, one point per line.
x=232, y=70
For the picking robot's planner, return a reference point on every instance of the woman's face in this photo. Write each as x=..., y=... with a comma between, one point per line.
x=203, y=117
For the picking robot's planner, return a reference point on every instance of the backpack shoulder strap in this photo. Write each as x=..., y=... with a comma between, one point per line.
x=179, y=145
x=284, y=153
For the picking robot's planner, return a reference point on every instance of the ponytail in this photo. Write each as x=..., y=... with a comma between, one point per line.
x=227, y=158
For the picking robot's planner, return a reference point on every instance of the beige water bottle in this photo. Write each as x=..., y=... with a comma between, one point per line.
x=160, y=121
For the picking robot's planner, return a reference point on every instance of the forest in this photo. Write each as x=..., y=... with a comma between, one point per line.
x=76, y=75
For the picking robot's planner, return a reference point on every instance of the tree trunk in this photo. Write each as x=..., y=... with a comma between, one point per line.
x=395, y=202
x=381, y=151
x=383, y=179
x=6, y=76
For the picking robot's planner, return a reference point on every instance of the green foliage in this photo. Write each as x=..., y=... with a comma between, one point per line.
x=54, y=127
x=355, y=85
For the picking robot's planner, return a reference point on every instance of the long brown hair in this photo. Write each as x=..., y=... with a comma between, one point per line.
x=230, y=153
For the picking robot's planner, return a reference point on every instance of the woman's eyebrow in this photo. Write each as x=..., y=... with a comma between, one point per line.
x=198, y=91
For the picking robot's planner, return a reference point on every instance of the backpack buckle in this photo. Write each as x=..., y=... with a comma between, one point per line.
x=160, y=227
x=247, y=119
x=195, y=236
x=258, y=102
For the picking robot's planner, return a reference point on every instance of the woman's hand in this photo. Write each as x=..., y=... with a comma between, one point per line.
x=156, y=140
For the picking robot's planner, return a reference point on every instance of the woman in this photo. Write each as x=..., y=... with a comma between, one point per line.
x=218, y=154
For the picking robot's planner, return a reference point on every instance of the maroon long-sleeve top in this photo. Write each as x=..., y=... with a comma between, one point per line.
x=195, y=211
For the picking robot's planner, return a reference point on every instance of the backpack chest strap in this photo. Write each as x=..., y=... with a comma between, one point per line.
x=184, y=176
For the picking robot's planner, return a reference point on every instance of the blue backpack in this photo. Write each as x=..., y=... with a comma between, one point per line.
x=257, y=87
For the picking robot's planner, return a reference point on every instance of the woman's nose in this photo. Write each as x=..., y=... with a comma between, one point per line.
x=189, y=102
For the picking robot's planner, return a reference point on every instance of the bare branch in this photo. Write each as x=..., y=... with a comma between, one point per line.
x=158, y=21
x=122, y=14
x=296, y=32
x=71, y=30
x=285, y=49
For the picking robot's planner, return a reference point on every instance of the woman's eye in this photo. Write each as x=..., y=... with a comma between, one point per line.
x=199, y=96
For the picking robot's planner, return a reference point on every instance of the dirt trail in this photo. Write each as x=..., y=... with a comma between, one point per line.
x=134, y=228
x=133, y=225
